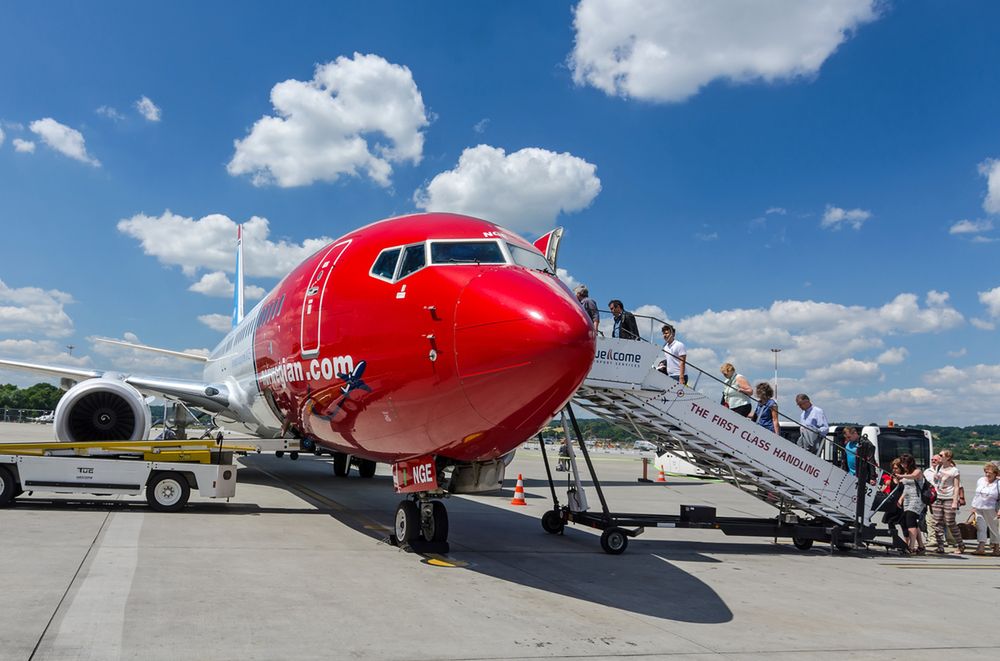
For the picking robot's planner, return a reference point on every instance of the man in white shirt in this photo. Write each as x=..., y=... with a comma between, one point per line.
x=814, y=424
x=675, y=356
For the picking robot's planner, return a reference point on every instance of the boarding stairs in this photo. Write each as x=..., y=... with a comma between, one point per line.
x=625, y=388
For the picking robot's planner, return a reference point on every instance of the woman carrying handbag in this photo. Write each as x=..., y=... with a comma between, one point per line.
x=947, y=481
x=986, y=501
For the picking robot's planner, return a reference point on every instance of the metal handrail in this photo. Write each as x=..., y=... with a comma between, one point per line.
x=687, y=363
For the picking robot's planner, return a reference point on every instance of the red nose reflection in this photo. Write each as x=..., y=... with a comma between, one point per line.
x=523, y=346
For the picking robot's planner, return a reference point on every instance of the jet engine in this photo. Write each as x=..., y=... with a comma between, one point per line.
x=102, y=410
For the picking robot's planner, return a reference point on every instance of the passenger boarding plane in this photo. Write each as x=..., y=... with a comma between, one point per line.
x=434, y=342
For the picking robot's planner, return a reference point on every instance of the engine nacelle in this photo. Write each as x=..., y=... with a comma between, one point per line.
x=102, y=410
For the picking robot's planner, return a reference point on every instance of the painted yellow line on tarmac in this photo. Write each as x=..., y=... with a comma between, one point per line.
x=436, y=560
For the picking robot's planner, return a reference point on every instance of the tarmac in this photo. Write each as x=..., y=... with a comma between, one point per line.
x=296, y=566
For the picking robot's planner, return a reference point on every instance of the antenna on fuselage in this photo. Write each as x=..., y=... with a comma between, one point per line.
x=238, y=287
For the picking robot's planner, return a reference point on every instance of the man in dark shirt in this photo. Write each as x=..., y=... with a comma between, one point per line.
x=625, y=326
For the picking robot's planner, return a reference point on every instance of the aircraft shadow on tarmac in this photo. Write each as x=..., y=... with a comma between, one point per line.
x=509, y=545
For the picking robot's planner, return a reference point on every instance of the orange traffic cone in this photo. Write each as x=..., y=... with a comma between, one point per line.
x=519, y=492
x=661, y=477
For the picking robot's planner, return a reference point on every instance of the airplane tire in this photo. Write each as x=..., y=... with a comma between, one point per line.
x=614, y=541
x=407, y=523
x=552, y=522
x=167, y=492
x=802, y=544
x=435, y=529
x=8, y=487
x=366, y=468
x=341, y=464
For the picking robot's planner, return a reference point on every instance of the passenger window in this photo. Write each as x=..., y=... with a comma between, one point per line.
x=385, y=265
x=413, y=260
x=467, y=252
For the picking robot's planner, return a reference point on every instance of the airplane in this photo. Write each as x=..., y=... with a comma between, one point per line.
x=434, y=342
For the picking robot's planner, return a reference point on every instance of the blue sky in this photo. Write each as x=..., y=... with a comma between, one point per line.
x=819, y=177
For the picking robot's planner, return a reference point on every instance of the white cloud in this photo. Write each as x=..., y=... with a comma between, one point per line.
x=981, y=378
x=217, y=322
x=991, y=170
x=49, y=352
x=971, y=227
x=835, y=218
x=138, y=361
x=322, y=127
x=148, y=109
x=893, y=356
x=525, y=190
x=958, y=354
x=982, y=324
x=110, y=113
x=667, y=50
x=41, y=351
x=706, y=236
x=480, y=126
x=2, y=136
x=778, y=210
x=567, y=279
x=217, y=284
x=847, y=370
x=209, y=243
x=811, y=333
x=34, y=311
x=991, y=299
x=23, y=146
x=63, y=139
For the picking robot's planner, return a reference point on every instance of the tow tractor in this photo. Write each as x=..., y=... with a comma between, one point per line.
x=166, y=470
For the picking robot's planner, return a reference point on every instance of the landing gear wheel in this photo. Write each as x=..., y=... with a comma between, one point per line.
x=366, y=468
x=614, y=541
x=407, y=525
x=9, y=489
x=802, y=544
x=434, y=525
x=167, y=492
x=341, y=464
x=552, y=522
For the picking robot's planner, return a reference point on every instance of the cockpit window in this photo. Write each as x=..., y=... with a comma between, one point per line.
x=413, y=260
x=528, y=259
x=385, y=265
x=466, y=252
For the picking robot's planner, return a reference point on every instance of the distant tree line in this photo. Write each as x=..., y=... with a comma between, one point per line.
x=41, y=396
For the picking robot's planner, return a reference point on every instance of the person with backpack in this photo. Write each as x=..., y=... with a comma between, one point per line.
x=911, y=502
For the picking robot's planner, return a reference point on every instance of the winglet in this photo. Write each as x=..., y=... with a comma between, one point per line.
x=238, y=288
x=549, y=245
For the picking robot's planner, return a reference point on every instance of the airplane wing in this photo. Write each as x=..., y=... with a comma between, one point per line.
x=210, y=397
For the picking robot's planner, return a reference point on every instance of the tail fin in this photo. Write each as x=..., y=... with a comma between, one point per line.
x=238, y=288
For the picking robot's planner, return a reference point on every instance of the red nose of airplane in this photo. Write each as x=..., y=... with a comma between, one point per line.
x=523, y=346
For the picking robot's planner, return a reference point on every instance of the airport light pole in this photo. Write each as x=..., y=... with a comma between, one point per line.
x=775, y=352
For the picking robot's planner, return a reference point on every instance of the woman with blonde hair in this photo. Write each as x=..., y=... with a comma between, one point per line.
x=737, y=390
x=947, y=481
x=986, y=501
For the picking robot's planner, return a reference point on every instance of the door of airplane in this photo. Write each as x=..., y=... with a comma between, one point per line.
x=312, y=301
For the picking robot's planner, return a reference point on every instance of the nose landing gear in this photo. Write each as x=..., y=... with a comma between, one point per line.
x=421, y=525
